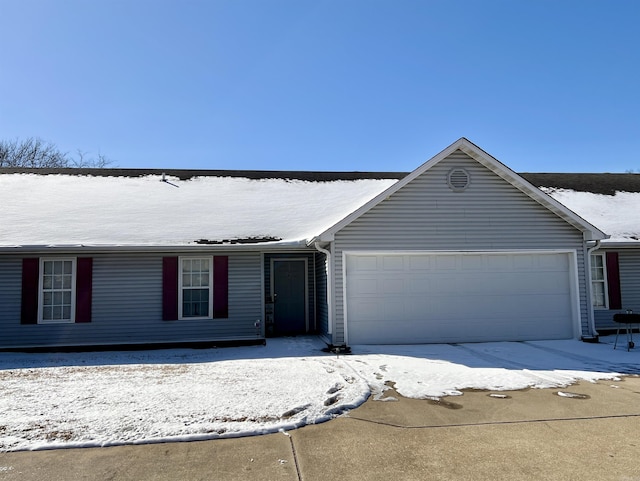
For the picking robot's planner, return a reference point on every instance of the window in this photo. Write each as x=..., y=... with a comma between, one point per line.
x=56, y=290
x=195, y=287
x=57, y=294
x=599, y=290
x=178, y=276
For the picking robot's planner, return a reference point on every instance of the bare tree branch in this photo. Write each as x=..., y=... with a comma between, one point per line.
x=35, y=152
x=83, y=161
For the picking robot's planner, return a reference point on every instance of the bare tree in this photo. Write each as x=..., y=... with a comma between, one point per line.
x=35, y=152
x=81, y=160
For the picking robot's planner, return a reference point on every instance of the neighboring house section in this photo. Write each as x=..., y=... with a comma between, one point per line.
x=612, y=202
x=128, y=298
x=461, y=249
x=113, y=257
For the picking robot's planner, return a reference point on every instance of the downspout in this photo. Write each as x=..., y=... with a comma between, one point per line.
x=590, y=317
x=329, y=288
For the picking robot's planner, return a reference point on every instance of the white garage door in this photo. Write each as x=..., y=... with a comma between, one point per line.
x=410, y=298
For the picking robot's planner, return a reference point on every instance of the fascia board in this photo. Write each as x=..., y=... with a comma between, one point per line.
x=590, y=231
x=616, y=244
x=99, y=249
x=328, y=235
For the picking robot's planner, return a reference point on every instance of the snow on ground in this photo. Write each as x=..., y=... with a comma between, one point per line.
x=109, y=398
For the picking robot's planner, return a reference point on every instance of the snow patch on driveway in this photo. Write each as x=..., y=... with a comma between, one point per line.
x=109, y=398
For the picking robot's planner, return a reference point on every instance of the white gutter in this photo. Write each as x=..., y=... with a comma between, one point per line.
x=587, y=262
x=155, y=248
x=329, y=287
x=620, y=244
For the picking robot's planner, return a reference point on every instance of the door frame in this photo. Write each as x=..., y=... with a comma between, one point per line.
x=306, y=285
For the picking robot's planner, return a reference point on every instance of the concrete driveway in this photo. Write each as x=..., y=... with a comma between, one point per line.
x=591, y=431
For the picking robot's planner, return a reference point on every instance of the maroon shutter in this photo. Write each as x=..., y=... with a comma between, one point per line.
x=220, y=286
x=613, y=281
x=84, y=288
x=30, y=280
x=169, y=288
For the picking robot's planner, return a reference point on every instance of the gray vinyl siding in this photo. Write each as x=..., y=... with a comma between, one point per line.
x=311, y=280
x=491, y=214
x=127, y=305
x=322, y=308
x=629, y=265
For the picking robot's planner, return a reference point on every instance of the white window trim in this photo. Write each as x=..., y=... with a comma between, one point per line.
x=72, y=320
x=604, y=283
x=180, y=288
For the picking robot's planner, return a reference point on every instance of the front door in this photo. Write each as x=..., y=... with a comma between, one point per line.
x=289, y=296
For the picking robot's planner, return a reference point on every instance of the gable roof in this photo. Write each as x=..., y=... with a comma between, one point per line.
x=590, y=232
x=133, y=207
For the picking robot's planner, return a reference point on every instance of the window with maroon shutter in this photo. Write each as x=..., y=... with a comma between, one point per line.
x=598, y=281
x=56, y=290
x=605, y=281
x=195, y=287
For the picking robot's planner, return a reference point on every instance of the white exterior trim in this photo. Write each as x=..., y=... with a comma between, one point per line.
x=209, y=315
x=306, y=286
x=605, y=281
x=573, y=271
x=72, y=318
x=589, y=231
x=575, y=293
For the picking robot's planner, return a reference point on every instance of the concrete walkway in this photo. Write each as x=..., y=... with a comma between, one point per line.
x=531, y=434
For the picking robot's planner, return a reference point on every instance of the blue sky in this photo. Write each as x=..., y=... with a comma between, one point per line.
x=544, y=85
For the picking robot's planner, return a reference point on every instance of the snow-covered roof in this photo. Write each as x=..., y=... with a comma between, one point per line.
x=611, y=202
x=125, y=207
x=99, y=209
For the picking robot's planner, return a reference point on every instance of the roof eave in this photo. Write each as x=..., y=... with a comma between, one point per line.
x=155, y=248
x=589, y=231
x=608, y=243
x=328, y=234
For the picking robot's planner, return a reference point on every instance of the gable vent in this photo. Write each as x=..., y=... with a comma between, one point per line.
x=458, y=179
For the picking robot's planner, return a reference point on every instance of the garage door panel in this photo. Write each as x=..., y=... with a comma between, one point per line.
x=473, y=263
x=364, y=311
x=394, y=285
x=446, y=262
x=411, y=298
x=498, y=263
x=365, y=263
x=393, y=263
x=523, y=262
x=365, y=287
x=418, y=308
x=554, y=262
x=419, y=263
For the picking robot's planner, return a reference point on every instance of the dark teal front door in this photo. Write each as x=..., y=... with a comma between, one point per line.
x=289, y=288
